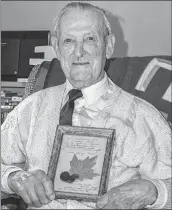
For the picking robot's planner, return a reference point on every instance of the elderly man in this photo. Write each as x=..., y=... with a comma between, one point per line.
x=141, y=168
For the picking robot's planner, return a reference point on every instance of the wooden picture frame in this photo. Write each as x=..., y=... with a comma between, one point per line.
x=84, y=155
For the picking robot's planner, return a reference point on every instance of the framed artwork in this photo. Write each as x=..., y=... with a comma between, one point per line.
x=80, y=162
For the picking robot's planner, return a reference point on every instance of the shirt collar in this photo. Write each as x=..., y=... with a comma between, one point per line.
x=93, y=92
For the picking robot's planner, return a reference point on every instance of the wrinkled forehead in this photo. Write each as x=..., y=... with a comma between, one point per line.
x=76, y=15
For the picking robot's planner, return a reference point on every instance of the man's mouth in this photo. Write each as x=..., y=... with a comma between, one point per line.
x=80, y=63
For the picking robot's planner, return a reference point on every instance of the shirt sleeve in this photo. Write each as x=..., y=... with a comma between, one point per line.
x=12, y=155
x=156, y=164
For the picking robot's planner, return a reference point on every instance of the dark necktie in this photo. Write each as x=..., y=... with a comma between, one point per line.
x=67, y=110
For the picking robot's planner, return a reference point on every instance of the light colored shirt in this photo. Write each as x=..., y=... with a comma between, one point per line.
x=143, y=137
x=87, y=107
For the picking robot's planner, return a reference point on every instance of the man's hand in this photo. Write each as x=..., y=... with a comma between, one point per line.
x=134, y=194
x=35, y=188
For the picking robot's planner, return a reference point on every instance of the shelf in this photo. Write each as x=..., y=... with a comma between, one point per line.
x=13, y=84
x=6, y=110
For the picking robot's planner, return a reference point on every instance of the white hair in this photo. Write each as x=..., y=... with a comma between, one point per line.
x=84, y=7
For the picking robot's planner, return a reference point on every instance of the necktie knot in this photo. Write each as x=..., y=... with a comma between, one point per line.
x=74, y=94
x=67, y=110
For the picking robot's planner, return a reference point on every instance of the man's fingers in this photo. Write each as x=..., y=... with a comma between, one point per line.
x=49, y=188
x=24, y=195
x=33, y=196
x=47, y=183
x=27, y=200
x=40, y=191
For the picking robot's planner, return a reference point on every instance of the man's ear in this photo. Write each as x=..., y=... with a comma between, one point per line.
x=110, y=43
x=54, y=43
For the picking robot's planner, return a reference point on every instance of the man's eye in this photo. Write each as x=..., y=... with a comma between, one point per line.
x=68, y=40
x=90, y=39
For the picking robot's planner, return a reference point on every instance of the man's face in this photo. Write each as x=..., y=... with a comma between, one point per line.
x=82, y=48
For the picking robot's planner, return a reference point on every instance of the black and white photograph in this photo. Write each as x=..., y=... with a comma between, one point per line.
x=86, y=95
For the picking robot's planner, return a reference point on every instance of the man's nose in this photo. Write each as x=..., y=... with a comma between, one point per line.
x=79, y=50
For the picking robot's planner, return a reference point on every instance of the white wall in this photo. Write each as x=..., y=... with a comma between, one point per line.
x=144, y=29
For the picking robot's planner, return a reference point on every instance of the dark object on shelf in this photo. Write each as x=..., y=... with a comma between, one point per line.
x=66, y=177
x=17, y=48
x=9, y=57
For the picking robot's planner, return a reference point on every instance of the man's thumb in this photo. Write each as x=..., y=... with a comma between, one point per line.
x=102, y=201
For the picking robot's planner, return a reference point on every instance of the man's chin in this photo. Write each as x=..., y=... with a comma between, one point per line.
x=80, y=77
x=80, y=83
